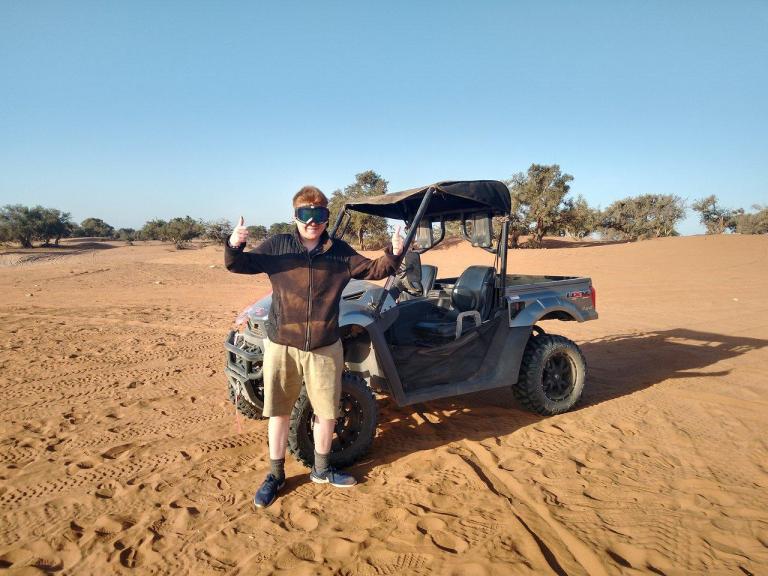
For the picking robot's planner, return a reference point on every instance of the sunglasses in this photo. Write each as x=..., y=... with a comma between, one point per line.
x=310, y=214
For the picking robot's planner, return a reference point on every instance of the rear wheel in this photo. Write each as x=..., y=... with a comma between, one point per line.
x=552, y=375
x=354, y=431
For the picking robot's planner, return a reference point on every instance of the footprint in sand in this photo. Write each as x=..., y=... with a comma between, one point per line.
x=340, y=549
x=393, y=515
x=110, y=525
x=108, y=490
x=430, y=524
x=436, y=530
x=449, y=542
x=386, y=562
x=303, y=520
x=291, y=557
x=33, y=558
x=116, y=451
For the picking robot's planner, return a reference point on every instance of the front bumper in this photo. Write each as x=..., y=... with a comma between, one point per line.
x=244, y=365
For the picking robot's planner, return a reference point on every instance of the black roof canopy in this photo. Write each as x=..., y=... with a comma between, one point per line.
x=449, y=200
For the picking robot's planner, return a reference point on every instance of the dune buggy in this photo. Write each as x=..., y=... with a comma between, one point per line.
x=477, y=331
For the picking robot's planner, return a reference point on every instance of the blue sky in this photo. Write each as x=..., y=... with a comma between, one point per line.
x=138, y=110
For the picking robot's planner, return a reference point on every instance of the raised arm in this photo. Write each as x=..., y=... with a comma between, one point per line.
x=362, y=268
x=240, y=262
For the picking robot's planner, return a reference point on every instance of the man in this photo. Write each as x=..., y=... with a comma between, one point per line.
x=308, y=271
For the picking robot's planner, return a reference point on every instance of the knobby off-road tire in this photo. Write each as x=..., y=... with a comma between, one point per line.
x=552, y=375
x=244, y=406
x=354, y=431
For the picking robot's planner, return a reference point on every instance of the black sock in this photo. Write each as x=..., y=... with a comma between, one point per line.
x=322, y=462
x=278, y=468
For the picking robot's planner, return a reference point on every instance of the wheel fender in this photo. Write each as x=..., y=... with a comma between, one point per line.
x=360, y=357
x=535, y=310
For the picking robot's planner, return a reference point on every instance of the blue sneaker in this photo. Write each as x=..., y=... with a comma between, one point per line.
x=333, y=477
x=267, y=493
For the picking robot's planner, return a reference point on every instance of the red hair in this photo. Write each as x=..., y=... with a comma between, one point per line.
x=309, y=195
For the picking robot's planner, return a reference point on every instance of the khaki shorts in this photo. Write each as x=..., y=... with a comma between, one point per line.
x=286, y=367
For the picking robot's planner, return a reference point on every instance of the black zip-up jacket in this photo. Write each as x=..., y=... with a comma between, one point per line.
x=306, y=286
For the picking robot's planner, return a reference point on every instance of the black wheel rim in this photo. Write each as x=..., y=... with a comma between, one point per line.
x=348, y=425
x=559, y=377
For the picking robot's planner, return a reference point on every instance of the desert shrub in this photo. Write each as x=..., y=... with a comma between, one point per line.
x=217, y=230
x=281, y=228
x=753, y=223
x=716, y=219
x=539, y=202
x=646, y=216
x=20, y=223
x=54, y=225
x=579, y=220
x=153, y=230
x=95, y=227
x=257, y=233
x=23, y=224
x=181, y=230
x=126, y=234
x=365, y=230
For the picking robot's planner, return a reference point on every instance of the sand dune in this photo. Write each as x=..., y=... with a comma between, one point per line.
x=120, y=453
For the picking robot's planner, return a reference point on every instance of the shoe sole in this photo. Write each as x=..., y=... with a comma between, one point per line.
x=321, y=481
x=257, y=505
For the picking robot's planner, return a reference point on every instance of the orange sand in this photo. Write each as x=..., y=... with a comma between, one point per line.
x=119, y=451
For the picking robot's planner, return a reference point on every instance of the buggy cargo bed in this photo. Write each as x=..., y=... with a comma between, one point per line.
x=532, y=298
x=517, y=283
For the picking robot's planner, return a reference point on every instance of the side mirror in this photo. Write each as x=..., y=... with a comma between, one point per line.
x=424, y=238
x=428, y=236
x=481, y=230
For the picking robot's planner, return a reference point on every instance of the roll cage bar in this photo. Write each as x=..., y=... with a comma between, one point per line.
x=412, y=225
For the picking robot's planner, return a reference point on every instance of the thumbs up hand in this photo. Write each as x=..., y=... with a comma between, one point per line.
x=239, y=234
x=397, y=242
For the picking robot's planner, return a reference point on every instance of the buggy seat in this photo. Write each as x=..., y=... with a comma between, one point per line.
x=472, y=294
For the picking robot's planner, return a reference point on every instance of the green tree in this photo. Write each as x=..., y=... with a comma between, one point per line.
x=519, y=222
x=54, y=224
x=368, y=231
x=20, y=223
x=645, y=216
x=716, y=218
x=281, y=228
x=154, y=230
x=539, y=201
x=753, y=223
x=218, y=230
x=126, y=234
x=181, y=230
x=96, y=227
x=257, y=233
x=579, y=219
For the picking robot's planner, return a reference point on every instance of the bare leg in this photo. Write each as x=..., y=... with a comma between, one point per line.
x=277, y=432
x=323, y=434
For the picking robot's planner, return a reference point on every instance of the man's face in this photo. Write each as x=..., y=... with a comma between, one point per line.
x=311, y=230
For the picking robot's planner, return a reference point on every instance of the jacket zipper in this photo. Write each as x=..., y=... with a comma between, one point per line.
x=309, y=301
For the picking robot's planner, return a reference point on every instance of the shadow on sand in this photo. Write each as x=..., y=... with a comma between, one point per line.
x=71, y=247
x=618, y=366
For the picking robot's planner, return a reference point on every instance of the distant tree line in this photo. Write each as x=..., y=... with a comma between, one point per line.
x=541, y=205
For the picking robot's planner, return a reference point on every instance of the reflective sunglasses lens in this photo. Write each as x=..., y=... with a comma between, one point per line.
x=318, y=214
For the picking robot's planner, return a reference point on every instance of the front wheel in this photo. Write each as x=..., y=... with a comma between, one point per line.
x=354, y=431
x=244, y=406
x=552, y=375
